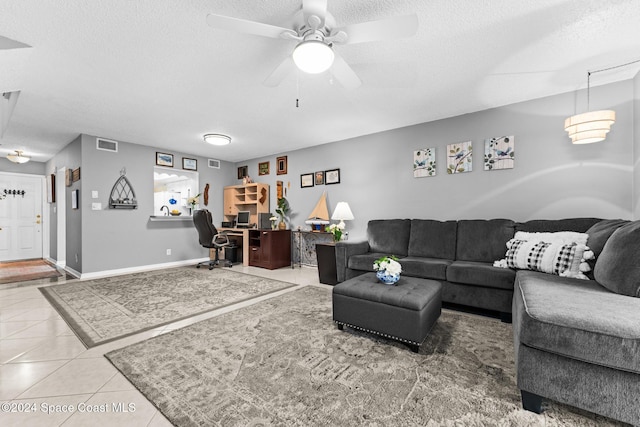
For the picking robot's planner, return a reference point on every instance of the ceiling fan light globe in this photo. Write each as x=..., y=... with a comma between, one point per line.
x=217, y=139
x=313, y=56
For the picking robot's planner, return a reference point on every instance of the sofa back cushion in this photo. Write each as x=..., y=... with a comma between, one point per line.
x=617, y=267
x=600, y=232
x=483, y=240
x=433, y=239
x=389, y=236
x=579, y=225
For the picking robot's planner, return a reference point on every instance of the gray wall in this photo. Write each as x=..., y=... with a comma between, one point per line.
x=552, y=178
x=69, y=157
x=123, y=238
x=30, y=168
x=636, y=147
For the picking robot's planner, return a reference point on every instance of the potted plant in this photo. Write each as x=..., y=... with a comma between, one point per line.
x=283, y=211
x=387, y=269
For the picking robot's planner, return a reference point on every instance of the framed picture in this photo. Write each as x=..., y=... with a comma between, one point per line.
x=332, y=176
x=281, y=165
x=164, y=159
x=263, y=168
x=51, y=188
x=74, y=199
x=68, y=179
x=75, y=175
x=189, y=164
x=243, y=171
x=306, y=180
x=319, y=178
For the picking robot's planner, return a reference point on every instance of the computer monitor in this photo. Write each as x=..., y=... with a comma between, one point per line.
x=243, y=219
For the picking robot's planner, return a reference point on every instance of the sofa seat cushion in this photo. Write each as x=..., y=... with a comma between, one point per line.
x=577, y=319
x=364, y=261
x=480, y=274
x=428, y=268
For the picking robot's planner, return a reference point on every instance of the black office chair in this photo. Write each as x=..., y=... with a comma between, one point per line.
x=210, y=238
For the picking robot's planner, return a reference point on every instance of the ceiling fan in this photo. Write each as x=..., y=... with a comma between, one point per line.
x=315, y=30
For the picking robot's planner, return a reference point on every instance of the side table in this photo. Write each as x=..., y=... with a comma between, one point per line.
x=327, y=272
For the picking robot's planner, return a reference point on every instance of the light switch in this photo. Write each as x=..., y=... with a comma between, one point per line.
x=94, y=194
x=96, y=206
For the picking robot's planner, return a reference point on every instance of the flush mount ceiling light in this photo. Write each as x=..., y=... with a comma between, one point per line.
x=217, y=139
x=313, y=55
x=18, y=157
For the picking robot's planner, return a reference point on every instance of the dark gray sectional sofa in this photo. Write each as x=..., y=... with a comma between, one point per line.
x=576, y=341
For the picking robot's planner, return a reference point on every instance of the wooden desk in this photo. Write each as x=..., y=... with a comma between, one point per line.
x=244, y=233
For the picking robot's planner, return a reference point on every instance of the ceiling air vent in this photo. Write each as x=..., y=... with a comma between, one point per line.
x=215, y=164
x=106, y=145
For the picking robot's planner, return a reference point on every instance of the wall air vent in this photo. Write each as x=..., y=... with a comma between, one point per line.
x=215, y=164
x=107, y=145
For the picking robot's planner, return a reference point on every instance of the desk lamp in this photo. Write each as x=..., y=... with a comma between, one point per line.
x=342, y=213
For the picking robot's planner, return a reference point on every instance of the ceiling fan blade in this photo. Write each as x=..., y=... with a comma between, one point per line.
x=278, y=75
x=344, y=73
x=314, y=7
x=384, y=29
x=248, y=27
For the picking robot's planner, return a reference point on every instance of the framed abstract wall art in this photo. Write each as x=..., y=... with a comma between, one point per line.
x=424, y=162
x=459, y=157
x=499, y=153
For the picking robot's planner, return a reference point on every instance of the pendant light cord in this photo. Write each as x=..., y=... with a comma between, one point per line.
x=599, y=71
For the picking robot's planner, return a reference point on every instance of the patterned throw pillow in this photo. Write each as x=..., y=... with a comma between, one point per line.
x=558, y=255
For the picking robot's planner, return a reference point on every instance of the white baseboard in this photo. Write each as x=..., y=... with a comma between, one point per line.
x=72, y=272
x=138, y=269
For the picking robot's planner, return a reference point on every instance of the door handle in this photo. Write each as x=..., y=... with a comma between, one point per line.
x=38, y=222
x=38, y=216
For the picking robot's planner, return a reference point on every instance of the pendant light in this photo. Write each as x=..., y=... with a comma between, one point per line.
x=592, y=126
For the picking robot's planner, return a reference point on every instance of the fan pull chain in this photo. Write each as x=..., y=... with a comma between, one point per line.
x=297, y=90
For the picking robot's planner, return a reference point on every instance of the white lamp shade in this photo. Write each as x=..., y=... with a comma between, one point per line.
x=313, y=56
x=18, y=157
x=590, y=127
x=217, y=139
x=342, y=212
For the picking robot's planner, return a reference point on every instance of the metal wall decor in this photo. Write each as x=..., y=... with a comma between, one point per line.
x=122, y=194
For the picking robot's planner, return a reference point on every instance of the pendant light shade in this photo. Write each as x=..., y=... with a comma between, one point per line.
x=590, y=127
x=18, y=157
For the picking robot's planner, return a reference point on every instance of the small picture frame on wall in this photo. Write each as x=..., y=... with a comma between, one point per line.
x=281, y=165
x=68, y=178
x=319, y=178
x=306, y=180
x=164, y=159
x=74, y=199
x=263, y=168
x=189, y=164
x=332, y=176
x=75, y=175
x=243, y=171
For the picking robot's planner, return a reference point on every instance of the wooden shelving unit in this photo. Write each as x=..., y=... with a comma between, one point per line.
x=248, y=197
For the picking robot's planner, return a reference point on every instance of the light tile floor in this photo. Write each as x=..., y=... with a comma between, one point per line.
x=45, y=370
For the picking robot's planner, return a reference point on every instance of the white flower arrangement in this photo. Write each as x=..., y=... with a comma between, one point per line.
x=193, y=201
x=388, y=264
x=336, y=230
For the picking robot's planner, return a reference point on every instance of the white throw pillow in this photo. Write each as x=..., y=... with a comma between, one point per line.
x=564, y=253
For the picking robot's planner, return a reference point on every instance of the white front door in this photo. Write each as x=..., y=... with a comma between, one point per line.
x=20, y=217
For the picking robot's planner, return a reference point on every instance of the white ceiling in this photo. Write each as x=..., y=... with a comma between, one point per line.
x=152, y=72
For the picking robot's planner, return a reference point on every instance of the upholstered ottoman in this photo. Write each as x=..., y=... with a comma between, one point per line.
x=405, y=312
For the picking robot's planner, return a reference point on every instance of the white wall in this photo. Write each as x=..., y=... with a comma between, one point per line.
x=552, y=178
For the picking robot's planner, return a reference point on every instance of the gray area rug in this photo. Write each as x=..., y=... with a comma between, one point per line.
x=282, y=361
x=103, y=310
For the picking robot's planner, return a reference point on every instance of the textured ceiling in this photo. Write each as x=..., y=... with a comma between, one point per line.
x=152, y=72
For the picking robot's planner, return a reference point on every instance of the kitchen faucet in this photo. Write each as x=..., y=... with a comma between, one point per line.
x=165, y=206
